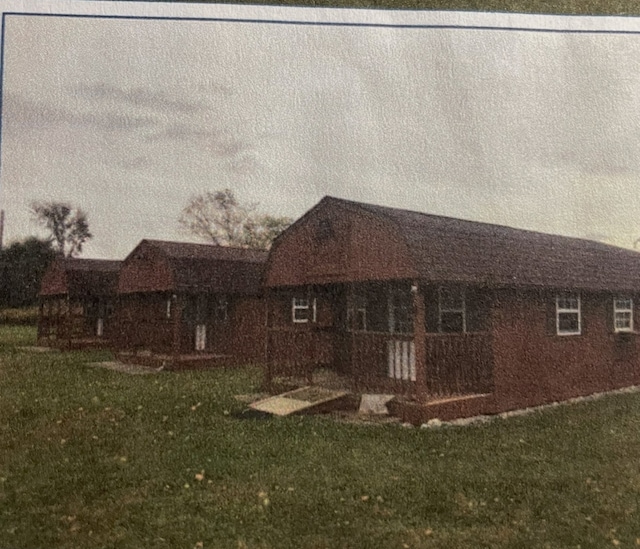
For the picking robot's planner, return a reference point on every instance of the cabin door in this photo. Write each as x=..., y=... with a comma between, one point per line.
x=201, y=337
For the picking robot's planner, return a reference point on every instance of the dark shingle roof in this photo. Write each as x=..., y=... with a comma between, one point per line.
x=449, y=249
x=207, y=267
x=95, y=265
x=81, y=277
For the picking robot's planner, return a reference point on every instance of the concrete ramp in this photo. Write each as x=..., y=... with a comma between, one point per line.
x=300, y=400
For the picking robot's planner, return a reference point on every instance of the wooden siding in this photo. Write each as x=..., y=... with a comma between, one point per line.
x=248, y=333
x=54, y=281
x=145, y=270
x=143, y=325
x=332, y=244
x=535, y=366
x=297, y=352
x=459, y=363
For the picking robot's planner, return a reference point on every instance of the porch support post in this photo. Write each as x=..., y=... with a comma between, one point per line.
x=419, y=338
x=177, y=324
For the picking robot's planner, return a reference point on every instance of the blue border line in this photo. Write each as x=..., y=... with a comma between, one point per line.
x=325, y=23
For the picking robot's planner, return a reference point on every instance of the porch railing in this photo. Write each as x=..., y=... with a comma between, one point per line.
x=459, y=363
x=296, y=353
x=383, y=361
x=455, y=363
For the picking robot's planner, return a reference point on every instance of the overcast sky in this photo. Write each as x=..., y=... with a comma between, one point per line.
x=128, y=118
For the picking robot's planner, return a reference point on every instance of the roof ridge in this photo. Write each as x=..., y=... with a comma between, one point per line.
x=201, y=244
x=386, y=210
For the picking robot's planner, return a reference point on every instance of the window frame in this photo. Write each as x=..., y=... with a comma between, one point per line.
x=309, y=307
x=564, y=310
x=617, y=310
x=462, y=310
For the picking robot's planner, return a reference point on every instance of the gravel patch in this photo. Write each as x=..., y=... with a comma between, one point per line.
x=436, y=423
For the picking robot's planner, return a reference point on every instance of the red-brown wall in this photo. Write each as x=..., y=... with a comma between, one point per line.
x=357, y=247
x=54, y=280
x=533, y=365
x=141, y=323
x=248, y=329
x=145, y=271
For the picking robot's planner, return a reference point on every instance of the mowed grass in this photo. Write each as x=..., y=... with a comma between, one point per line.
x=91, y=458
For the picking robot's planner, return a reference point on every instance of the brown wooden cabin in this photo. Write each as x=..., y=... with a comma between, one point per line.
x=461, y=318
x=188, y=305
x=76, y=301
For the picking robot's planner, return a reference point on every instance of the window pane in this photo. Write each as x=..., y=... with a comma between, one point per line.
x=300, y=310
x=568, y=323
x=622, y=304
x=300, y=315
x=623, y=320
x=568, y=302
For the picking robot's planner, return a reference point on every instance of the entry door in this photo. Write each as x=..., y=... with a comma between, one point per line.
x=201, y=337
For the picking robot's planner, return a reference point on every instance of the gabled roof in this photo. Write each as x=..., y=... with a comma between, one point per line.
x=209, y=268
x=77, y=277
x=446, y=249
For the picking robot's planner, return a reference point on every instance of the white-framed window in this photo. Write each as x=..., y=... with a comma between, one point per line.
x=452, y=310
x=623, y=314
x=568, y=317
x=303, y=310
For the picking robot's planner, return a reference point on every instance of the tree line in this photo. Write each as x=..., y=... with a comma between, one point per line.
x=216, y=217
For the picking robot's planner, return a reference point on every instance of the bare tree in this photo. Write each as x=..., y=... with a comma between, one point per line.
x=218, y=217
x=68, y=226
x=261, y=230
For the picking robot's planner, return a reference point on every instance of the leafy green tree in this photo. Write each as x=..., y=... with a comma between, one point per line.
x=22, y=265
x=68, y=226
x=218, y=217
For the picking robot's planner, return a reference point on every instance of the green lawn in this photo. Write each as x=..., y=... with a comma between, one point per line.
x=91, y=458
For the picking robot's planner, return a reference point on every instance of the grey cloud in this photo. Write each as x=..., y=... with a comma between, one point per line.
x=139, y=97
x=216, y=141
x=22, y=114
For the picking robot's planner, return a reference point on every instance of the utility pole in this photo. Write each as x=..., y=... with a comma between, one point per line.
x=1, y=227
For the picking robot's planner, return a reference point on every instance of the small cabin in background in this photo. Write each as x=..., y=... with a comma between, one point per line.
x=458, y=318
x=190, y=305
x=77, y=298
